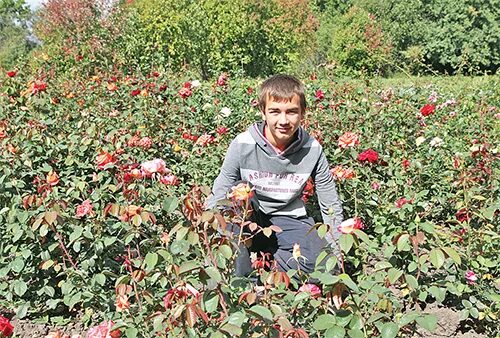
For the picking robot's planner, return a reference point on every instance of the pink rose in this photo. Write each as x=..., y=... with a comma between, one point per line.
x=103, y=331
x=84, y=209
x=471, y=277
x=154, y=166
x=313, y=289
x=169, y=179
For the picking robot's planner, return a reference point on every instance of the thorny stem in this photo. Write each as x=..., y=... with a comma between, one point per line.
x=63, y=247
x=134, y=284
x=214, y=262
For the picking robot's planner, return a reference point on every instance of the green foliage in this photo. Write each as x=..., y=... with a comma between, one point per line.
x=214, y=36
x=355, y=42
x=145, y=239
x=445, y=35
x=14, y=43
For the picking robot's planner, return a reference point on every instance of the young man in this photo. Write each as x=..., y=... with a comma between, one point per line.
x=277, y=157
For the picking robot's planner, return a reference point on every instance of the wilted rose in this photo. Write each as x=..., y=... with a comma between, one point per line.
x=122, y=303
x=348, y=139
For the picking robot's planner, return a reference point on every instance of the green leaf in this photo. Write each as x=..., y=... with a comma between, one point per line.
x=411, y=281
x=170, y=204
x=436, y=257
x=403, y=243
x=188, y=266
x=237, y=318
x=131, y=332
x=212, y=303
x=214, y=273
x=22, y=310
x=324, y=322
x=262, y=312
x=348, y=282
x=428, y=322
x=100, y=279
x=17, y=264
x=453, y=254
x=362, y=236
x=389, y=330
x=335, y=332
x=19, y=287
x=356, y=333
x=151, y=259
x=394, y=274
x=346, y=241
x=232, y=330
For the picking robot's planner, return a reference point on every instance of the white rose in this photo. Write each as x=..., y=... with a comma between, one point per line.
x=420, y=140
x=195, y=84
x=225, y=112
x=436, y=142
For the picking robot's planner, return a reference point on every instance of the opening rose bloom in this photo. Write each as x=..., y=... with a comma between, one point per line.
x=349, y=225
x=154, y=166
x=348, y=139
x=368, y=155
x=169, y=180
x=241, y=193
x=6, y=328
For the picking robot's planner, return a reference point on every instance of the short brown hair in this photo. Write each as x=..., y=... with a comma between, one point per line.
x=282, y=87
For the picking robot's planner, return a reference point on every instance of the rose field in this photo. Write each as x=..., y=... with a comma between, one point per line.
x=103, y=180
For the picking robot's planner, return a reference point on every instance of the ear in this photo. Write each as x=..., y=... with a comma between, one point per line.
x=263, y=115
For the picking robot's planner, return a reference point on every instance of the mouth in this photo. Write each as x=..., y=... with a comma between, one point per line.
x=283, y=130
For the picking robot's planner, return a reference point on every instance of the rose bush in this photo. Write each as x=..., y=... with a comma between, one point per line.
x=95, y=223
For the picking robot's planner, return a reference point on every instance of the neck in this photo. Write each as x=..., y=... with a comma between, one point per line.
x=274, y=143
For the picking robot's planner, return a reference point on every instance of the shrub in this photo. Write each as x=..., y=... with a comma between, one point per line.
x=356, y=42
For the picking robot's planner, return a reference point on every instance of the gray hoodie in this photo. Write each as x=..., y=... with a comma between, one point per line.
x=280, y=177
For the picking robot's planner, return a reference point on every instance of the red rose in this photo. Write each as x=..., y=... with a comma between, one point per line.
x=6, y=328
x=462, y=215
x=135, y=92
x=320, y=95
x=405, y=163
x=368, y=155
x=427, y=110
x=11, y=73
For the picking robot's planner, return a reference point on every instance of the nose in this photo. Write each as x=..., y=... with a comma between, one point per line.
x=283, y=119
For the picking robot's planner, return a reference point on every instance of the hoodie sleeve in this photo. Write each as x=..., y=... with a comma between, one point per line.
x=229, y=174
x=328, y=198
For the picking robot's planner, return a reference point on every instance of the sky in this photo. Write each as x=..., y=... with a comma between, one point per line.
x=34, y=3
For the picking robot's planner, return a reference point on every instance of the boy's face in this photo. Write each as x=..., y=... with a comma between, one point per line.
x=282, y=118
